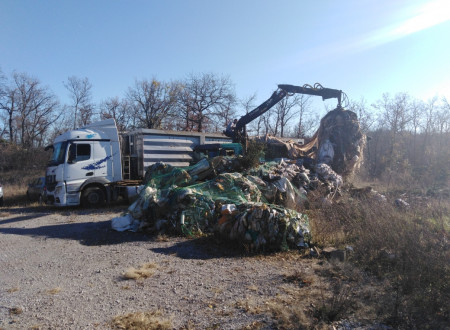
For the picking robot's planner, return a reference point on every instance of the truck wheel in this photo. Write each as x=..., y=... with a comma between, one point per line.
x=93, y=197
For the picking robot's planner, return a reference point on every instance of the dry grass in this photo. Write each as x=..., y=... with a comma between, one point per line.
x=152, y=320
x=144, y=271
x=397, y=274
x=251, y=305
x=323, y=294
x=15, y=184
x=252, y=287
x=408, y=248
x=15, y=311
x=54, y=290
x=15, y=289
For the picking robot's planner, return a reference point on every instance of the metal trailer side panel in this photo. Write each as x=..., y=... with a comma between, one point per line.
x=173, y=150
x=172, y=147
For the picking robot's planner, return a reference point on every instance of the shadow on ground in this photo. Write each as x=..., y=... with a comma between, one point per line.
x=100, y=233
x=87, y=233
x=202, y=248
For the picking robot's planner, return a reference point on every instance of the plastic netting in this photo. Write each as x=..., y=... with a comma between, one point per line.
x=233, y=204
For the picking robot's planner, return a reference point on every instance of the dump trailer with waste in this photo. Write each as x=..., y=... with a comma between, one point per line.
x=95, y=164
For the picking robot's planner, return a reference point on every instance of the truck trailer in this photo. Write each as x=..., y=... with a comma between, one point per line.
x=96, y=164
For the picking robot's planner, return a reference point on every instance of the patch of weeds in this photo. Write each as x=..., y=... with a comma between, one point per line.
x=15, y=289
x=249, y=305
x=151, y=320
x=162, y=238
x=146, y=270
x=54, y=290
x=217, y=291
x=252, y=287
x=254, y=326
x=334, y=308
x=297, y=278
x=287, y=315
x=253, y=154
x=15, y=311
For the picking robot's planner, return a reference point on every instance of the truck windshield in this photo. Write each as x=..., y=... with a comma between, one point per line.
x=59, y=152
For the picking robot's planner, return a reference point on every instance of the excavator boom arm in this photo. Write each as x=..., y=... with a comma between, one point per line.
x=318, y=90
x=276, y=97
x=239, y=131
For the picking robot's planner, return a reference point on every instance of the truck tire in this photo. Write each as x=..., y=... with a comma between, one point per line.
x=93, y=197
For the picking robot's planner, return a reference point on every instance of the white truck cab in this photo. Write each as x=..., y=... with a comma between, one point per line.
x=83, y=163
x=90, y=165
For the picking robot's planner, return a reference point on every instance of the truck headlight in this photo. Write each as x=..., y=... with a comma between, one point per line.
x=71, y=188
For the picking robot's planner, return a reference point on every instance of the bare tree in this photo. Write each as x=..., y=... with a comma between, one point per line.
x=304, y=113
x=31, y=110
x=445, y=116
x=80, y=90
x=365, y=117
x=287, y=109
x=9, y=104
x=3, y=127
x=394, y=116
x=203, y=98
x=249, y=104
x=119, y=110
x=266, y=121
x=152, y=101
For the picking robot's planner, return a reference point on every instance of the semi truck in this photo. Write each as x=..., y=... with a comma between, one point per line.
x=96, y=164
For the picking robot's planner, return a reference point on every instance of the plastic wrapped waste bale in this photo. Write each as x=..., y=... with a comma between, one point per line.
x=401, y=204
x=327, y=173
x=146, y=197
x=268, y=190
x=173, y=202
x=225, y=164
x=194, y=204
x=261, y=226
x=340, y=141
x=290, y=197
x=229, y=187
x=162, y=175
x=125, y=222
x=276, y=147
x=275, y=183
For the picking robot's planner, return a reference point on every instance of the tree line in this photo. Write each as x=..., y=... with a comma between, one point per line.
x=406, y=135
x=31, y=115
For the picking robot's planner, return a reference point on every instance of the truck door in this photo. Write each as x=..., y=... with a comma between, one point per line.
x=80, y=156
x=103, y=162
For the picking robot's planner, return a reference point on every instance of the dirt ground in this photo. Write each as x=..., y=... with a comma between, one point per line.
x=64, y=268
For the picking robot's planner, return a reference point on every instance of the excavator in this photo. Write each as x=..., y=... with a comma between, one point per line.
x=238, y=131
x=338, y=142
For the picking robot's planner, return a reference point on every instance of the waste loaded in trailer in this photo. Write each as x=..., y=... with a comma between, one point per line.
x=95, y=164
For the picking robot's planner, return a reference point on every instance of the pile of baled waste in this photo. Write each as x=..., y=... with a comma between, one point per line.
x=258, y=207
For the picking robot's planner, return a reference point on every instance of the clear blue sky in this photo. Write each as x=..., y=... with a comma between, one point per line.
x=363, y=47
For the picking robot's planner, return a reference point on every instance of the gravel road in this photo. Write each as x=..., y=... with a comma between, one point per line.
x=64, y=269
